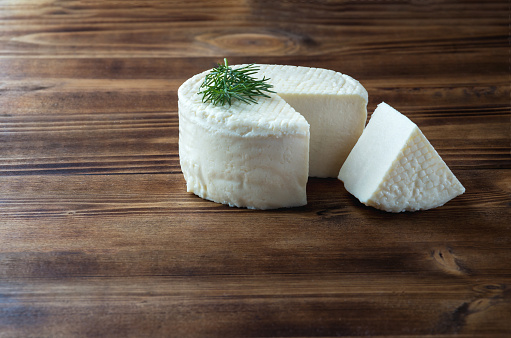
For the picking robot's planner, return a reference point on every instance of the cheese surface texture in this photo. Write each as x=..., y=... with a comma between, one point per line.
x=258, y=155
x=393, y=167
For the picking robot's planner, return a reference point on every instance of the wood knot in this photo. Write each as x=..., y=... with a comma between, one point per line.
x=449, y=262
x=488, y=296
x=492, y=290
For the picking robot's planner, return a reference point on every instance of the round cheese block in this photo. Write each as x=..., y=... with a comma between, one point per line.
x=260, y=155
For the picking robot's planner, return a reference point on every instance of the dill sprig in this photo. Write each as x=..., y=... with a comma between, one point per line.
x=223, y=84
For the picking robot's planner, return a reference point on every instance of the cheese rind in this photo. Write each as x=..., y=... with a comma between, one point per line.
x=258, y=156
x=393, y=167
x=253, y=156
x=259, y=172
x=271, y=116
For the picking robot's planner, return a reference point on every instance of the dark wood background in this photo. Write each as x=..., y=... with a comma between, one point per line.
x=98, y=236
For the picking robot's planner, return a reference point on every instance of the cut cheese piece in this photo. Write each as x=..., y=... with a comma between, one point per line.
x=257, y=155
x=393, y=167
x=334, y=104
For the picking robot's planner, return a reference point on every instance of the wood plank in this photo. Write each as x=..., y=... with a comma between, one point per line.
x=52, y=216
x=254, y=306
x=253, y=28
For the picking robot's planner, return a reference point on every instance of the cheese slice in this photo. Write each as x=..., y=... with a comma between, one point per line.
x=257, y=156
x=393, y=167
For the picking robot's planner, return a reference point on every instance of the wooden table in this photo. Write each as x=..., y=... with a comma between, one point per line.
x=98, y=236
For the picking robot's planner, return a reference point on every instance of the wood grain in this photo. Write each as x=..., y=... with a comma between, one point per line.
x=99, y=238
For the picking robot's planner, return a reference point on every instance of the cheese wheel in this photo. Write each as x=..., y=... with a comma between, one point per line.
x=258, y=155
x=393, y=167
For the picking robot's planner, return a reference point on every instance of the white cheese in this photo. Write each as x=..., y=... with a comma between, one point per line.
x=334, y=104
x=257, y=155
x=393, y=167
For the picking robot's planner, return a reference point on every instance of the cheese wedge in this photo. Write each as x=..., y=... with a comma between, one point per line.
x=257, y=156
x=393, y=167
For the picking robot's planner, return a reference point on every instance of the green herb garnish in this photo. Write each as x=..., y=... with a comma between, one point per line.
x=223, y=84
